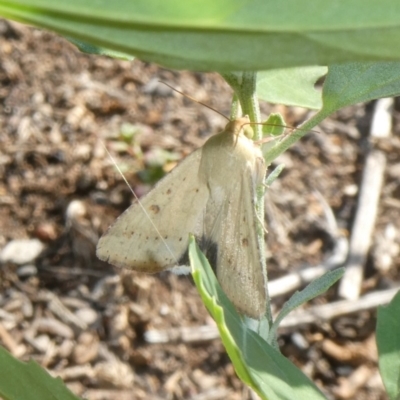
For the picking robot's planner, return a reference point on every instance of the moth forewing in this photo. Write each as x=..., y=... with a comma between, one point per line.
x=240, y=267
x=152, y=235
x=233, y=167
x=210, y=194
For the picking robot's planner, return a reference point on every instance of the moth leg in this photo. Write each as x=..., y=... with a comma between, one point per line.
x=262, y=224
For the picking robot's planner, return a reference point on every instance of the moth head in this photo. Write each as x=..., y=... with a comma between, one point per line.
x=240, y=126
x=245, y=125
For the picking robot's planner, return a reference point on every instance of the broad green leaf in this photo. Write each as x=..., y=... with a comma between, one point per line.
x=257, y=363
x=388, y=341
x=225, y=35
x=346, y=84
x=291, y=86
x=29, y=381
x=353, y=83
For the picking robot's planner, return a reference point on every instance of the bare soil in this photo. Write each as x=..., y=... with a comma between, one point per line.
x=100, y=328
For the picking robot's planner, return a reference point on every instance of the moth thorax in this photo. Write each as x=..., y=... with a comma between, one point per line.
x=238, y=124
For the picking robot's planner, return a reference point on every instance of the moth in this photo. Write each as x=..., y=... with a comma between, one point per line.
x=210, y=194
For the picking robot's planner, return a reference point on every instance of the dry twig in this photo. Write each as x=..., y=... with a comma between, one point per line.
x=329, y=311
x=370, y=190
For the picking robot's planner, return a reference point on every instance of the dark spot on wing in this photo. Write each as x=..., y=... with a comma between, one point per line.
x=155, y=208
x=169, y=191
x=245, y=242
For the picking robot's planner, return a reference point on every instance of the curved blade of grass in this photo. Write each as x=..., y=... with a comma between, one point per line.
x=258, y=364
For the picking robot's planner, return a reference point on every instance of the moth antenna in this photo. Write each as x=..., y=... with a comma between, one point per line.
x=193, y=99
x=140, y=203
x=292, y=128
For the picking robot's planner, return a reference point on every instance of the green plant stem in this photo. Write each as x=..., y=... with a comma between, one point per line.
x=249, y=101
x=235, y=108
x=283, y=145
x=234, y=81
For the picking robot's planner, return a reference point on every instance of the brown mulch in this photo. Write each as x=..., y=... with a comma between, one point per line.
x=88, y=322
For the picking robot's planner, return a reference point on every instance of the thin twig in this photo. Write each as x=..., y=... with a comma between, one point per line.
x=329, y=311
x=197, y=334
x=315, y=314
x=294, y=280
x=368, y=202
x=303, y=276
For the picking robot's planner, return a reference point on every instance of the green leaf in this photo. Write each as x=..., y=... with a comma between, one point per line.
x=225, y=35
x=346, y=84
x=29, y=381
x=388, y=341
x=274, y=125
x=312, y=290
x=257, y=363
x=291, y=86
x=353, y=83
